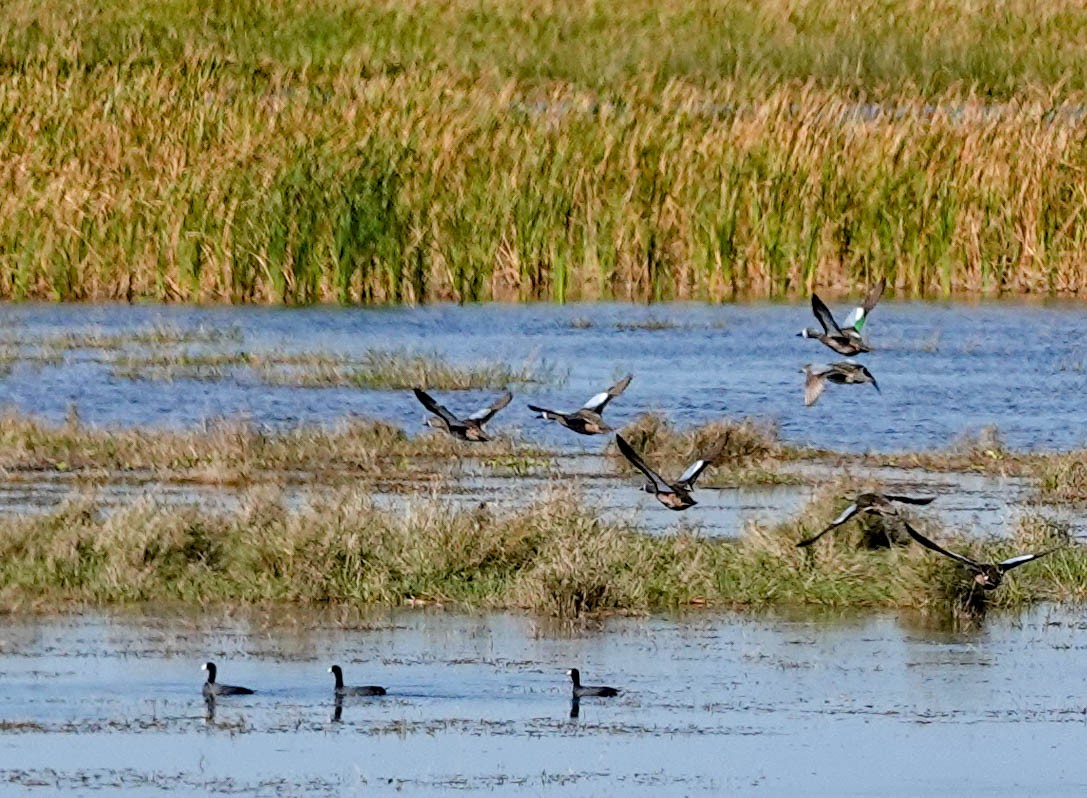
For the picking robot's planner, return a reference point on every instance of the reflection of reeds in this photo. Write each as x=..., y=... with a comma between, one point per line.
x=326, y=151
x=551, y=557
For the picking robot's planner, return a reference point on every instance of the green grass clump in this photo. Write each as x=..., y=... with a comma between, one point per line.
x=378, y=369
x=322, y=150
x=751, y=451
x=552, y=557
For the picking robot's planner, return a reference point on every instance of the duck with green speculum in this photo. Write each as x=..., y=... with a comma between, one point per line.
x=588, y=419
x=845, y=339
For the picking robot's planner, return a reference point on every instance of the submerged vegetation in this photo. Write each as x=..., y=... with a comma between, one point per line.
x=381, y=152
x=553, y=557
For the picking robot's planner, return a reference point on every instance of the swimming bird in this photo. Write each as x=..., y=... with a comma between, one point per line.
x=587, y=420
x=847, y=339
x=213, y=688
x=673, y=495
x=881, y=504
x=467, y=429
x=842, y=373
x=988, y=576
x=340, y=690
x=582, y=692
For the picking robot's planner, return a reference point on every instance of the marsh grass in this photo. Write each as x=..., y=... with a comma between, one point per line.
x=1063, y=478
x=238, y=452
x=328, y=151
x=378, y=369
x=752, y=451
x=552, y=557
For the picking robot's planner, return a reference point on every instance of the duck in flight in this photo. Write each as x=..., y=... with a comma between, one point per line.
x=466, y=429
x=673, y=495
x=846, y=339
x=843, y=373
x=587, y=420
x=881, y=504
x=987, y=575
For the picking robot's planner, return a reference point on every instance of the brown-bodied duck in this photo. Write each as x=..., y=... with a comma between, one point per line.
x=212, y=688
x=673, y=495
x=845, y=339
x=587, y=420
x=584, y=691
x=340, y=690
x=881, y=504
x=843, y=373
x=467, y=429
x=987, y=576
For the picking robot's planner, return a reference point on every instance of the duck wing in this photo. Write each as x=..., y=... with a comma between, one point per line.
x=485, y=414
x=1022, y=559
x=636, y=461
x=814, y=384
x=441, y=411
x=824, y=316
x=847, y=513
x=973, y=565
x=600, y=401
x=909, y=499
x=857, y=318
x=694, y=470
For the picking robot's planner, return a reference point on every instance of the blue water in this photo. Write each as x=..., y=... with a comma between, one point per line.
x=945, y=369
x=711, y=703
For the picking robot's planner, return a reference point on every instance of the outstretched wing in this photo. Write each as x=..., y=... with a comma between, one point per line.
x=824, y=316
x=1015, y=562
x=439, y=410
x=847, y=513
x=814, y=383
x=485, y=414
x=637, y=462
x=600, y=401
x=868, y=374
x=910, y=499
x=695, y=469
x=859, y=316
x=928, y=544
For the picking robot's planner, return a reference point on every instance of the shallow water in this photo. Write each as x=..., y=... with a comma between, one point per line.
x=944, y=369
x=812, y=704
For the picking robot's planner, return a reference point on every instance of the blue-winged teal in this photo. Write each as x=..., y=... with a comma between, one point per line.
x=467, y=429
x=213, y=688
x=587, y=420
x=868, y=503
x=583, y=692
x=340, y=690
x=843, y=373
x=847, y=339
x=988, y=576
x=674, y=496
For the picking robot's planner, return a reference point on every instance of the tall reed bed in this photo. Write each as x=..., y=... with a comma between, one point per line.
x=405, y=152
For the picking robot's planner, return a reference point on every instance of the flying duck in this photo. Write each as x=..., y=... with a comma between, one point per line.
x=843, y=373
x=673, y=495
x=213, y=688
x=467, y=429
x=845, y=340
x=867, y=504
x=587, y=420
x=582, y=692
x=988, y=576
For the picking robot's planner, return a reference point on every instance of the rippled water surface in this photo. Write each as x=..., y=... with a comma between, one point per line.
x=945, y=369
x=766, y=704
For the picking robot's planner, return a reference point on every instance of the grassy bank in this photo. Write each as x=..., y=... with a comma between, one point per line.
x=551, y=558
x=389, y=152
